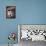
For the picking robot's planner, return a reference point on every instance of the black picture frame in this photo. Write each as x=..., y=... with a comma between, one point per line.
x=10, y=12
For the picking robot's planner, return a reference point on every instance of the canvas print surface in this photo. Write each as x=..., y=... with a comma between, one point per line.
x=11, y=12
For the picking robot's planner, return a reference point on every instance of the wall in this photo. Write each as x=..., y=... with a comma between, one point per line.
x=27, y=12
x=31, y=11
x=6, y=25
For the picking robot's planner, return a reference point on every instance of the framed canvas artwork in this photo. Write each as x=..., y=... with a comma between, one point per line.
x=11, y=12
